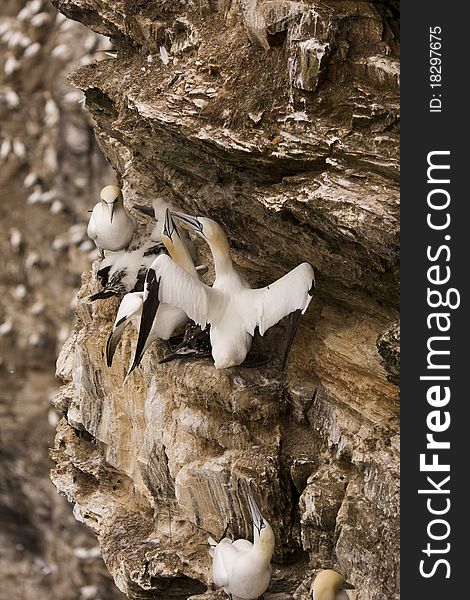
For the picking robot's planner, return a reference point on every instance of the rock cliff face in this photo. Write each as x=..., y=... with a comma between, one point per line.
x=279, y=120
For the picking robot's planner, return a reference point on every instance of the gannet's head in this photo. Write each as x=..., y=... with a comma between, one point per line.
x=111, y=196
x=175, y=245
x=207, y=228
x=328, y=584
x=263, y=534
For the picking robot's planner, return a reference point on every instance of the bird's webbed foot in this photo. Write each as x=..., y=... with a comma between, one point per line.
x=255, y=359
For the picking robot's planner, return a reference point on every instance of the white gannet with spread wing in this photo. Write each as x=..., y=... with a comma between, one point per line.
x=330, y=585
x=111, y=227
x=232, y=309
x=164, y=318
x=243, y=568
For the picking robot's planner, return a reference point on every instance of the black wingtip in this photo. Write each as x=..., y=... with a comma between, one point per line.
x=291, y=330
x=135, y=364
x=109, y=354
x=101, y=295
x=149, y=310
x=111, y=346
x=312, y=289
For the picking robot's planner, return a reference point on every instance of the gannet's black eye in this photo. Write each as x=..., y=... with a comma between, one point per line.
x=262, y=524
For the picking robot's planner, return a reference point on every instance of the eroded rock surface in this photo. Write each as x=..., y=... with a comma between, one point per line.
x=280, y=120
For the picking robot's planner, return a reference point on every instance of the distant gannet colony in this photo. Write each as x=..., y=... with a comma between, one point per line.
x=161, y=289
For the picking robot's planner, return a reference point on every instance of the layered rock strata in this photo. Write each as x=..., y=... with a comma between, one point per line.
x=279, y=120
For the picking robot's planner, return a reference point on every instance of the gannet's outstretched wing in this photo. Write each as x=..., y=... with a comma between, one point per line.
x=168, y=283
x=179, y=288
x=266, y=306
x=289, y=295
x=130, y=305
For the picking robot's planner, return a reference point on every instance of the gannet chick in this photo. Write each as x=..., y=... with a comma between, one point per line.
x=163, y=316
x=124, y=271
x=243, y=568
x=232, y=309
x=330, y=585
x=111, y=227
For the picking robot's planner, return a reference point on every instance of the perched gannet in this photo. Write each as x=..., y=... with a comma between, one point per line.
x=232, y=309
x=243, y=568
x=111, y=227
x=330, y=585
x=123, y=272
x=166, y=317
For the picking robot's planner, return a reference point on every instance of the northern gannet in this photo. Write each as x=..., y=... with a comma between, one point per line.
x=163, y=318
x=330, y=585
x=111, y=227
x=243, y=568
x=232, y=309
x=123, y=272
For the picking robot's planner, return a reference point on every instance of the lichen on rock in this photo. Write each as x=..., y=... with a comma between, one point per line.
x=158, y=462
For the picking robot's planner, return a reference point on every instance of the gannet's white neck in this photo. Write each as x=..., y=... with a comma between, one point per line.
x=263, y=535
x=263, y=544
x=223, y=264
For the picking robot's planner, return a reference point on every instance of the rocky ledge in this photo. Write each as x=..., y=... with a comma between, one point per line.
x=278, y=119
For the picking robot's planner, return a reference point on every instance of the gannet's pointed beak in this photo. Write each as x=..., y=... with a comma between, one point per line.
x=110, y=210
x=169, y=227
x=257, y=517
x=191, y=222
x=347, y=586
